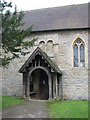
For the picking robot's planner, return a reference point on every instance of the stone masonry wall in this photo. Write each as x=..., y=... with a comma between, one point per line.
x=59, y=46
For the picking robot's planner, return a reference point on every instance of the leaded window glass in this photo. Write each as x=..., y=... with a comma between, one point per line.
x=75, y=55
x=79, y=53
x=82, y=61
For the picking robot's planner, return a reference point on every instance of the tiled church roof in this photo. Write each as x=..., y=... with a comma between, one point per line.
x=58, y=18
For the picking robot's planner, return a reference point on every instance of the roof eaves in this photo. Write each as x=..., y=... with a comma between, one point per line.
x=28, y=60
x=46, y=30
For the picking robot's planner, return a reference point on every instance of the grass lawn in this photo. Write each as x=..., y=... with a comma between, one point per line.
x=68, y=109
x=8, y=101
x=0, y=102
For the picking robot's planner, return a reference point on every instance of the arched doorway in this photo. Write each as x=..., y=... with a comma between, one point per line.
x=40, y=76
x=39, y=86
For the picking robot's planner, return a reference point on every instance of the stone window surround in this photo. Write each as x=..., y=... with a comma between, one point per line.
x=83, y=43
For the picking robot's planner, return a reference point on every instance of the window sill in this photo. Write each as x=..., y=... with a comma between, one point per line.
x=84, y=67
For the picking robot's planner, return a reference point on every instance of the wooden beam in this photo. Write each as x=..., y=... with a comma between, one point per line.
x=50, y=86
x=28, y=86
x=56, y=85
x=24, y=95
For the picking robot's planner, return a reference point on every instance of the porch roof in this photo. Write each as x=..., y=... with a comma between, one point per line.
x=45, y=56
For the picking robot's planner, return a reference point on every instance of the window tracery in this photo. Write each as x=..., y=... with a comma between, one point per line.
x=79, y=53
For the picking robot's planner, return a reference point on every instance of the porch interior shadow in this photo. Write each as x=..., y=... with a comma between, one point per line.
x=39, y=85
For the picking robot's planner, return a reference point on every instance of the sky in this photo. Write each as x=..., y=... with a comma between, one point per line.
x=37, y=4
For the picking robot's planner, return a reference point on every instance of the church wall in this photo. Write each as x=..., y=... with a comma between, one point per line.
x=59, y=46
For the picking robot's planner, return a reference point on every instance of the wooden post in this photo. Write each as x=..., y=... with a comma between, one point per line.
x=24, y=96
x=50, y=86
x=28, y=86
x=56, y=85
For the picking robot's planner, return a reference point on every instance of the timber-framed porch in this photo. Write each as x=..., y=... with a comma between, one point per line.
x=41, y=77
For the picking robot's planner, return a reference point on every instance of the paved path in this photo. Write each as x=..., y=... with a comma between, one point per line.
x=30, y=109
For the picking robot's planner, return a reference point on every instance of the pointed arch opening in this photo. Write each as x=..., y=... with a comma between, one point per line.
x=79, y=53
x=39, y=84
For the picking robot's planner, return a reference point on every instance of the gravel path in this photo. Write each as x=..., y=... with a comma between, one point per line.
x=30, y=109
